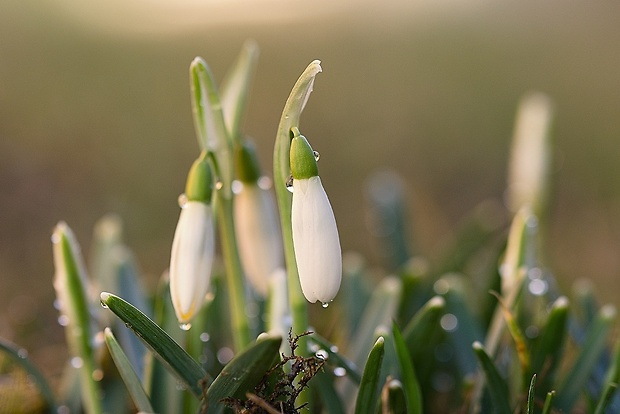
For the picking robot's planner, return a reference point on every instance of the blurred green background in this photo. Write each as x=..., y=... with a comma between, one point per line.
x=95, y=117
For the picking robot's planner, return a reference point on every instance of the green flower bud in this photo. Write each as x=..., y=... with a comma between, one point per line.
x=302, y=157
x=199, y=186
x=246, y=162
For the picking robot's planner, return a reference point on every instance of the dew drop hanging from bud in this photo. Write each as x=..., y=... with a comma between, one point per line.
x=316, y=155
x=182, y=200
x=104, y=305
x=325, y=305
x=185, y=326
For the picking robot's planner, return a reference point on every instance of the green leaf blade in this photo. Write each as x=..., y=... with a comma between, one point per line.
x=366, y=401
x=156, y=339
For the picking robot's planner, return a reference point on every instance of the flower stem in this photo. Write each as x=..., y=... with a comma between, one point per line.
x=234, y=273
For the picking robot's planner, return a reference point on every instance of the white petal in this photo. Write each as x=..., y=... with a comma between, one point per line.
x=191, y=259
x=316, y=241
x=258, y=235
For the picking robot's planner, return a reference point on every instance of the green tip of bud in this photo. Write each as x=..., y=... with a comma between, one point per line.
x=302, y=157
x=199, y=184
x=246, y=162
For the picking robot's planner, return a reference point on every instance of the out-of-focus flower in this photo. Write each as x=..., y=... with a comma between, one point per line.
x=315, y=235
x=256, y=222
x=193, y=245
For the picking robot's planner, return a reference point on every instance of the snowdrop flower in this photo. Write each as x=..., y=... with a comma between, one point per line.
x=315, y=235
x=256, y=222
x=193, y=245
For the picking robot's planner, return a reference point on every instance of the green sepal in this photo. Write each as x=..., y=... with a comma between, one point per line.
x=303, y=161
x=247, y=167
x=199, y=186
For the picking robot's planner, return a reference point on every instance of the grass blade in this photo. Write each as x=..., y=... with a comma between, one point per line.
x=411, y=387
x=547, y=350
x=132, y=382
x=595, y=342
x=243, y=372
x=549, y=402
x=530, y=396
x=156, y=339
x=498, y=389
x=366, y=402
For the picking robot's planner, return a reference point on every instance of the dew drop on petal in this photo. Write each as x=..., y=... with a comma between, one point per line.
x=76, y=362
x=182, y=200
x=185, y=326
x=22, y=353
x=317, y=156
x=264, y=183
x=55, y=238
x=57, y=304
x=63, y=320
x=97, y=375
x=237, y=186
x=289, y=183
x=325, y=305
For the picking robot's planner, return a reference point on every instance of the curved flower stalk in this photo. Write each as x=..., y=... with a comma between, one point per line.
x=193, y=245
x=256, y=222
x=315, y=235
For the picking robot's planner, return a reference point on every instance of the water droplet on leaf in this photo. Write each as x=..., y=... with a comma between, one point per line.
x=104, y=305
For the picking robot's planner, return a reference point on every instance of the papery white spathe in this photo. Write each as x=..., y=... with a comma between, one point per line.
x=316, y=241
x=258, y=235
x=191, y=259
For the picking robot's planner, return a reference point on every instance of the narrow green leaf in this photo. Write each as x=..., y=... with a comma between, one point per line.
x=498, y=389
x=461, y=326
x=156, y=339
x=549, y=402
x=243, y=372
x=20, y=356
x=608, y=392
x=595, y=342
x=324, y=385
x=425, y=323
x=517, y=337
x=411, y=387
x=611, y=382
x=380, y=310
x=548, y=349
x=366, y=402
x=71, y=287
x=132, y=382
x=393, y=400
x=236, y=88
x=531, y=396
x=337, y=359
